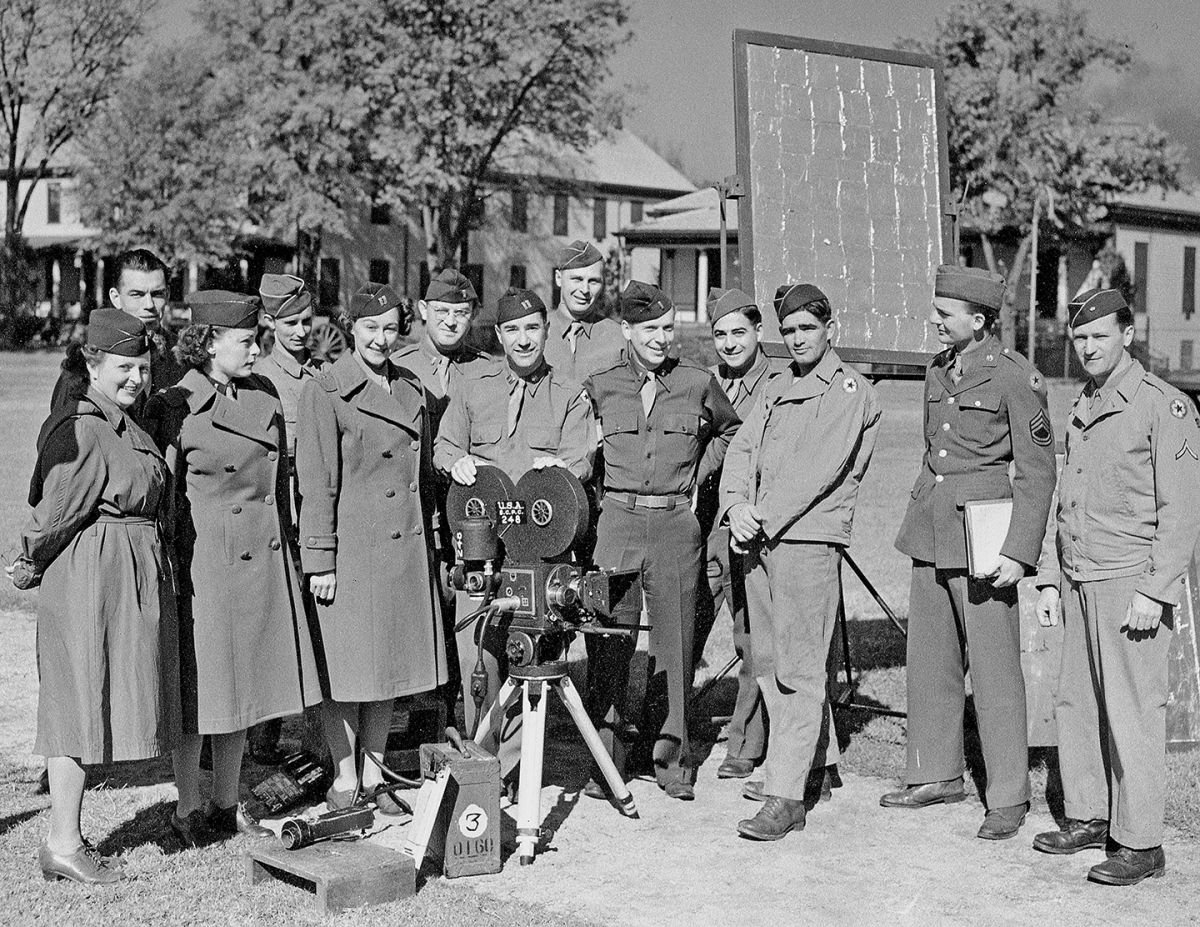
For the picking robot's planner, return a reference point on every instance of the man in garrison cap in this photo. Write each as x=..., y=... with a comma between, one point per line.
x=985, y=410
x=581, y=340
x=666, y=425
x=742, y=370
x=1116, y=567
x=520, y=415
x=788, y=493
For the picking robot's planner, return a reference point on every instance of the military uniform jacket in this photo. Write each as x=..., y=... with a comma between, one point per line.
x=555, y=421
x=1130, y=487
x=465, y=364
x=364, y=476
x=600, y=345
x=288, y=376
x=245, y=647
x=801, y=454
x=682, y=442
x=995, y=415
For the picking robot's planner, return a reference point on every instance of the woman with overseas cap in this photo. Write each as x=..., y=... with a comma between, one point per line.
x=107, y=651
x=666, y=424
x=985, y=410
x=581, y=340
x=246, y=654
x=363, y=461
x=788, y=493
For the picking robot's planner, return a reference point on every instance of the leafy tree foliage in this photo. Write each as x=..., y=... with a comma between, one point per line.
x=1020, y=127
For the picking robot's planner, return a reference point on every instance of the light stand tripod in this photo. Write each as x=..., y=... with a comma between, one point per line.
x=535, y=683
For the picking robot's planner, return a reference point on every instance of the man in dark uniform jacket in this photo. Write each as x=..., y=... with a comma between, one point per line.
x=141, y=291
x=742, y=371
x=985, y=409
x=581, y=341
x=666, y=425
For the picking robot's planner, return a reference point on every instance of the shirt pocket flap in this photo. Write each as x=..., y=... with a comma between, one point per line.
x=978, y=399
x=682, y=424
x=620, y=423
x=487, y=433
x=542, y=439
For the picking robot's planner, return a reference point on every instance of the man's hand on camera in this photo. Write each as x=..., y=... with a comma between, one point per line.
x=462, y=471
x=745, y=523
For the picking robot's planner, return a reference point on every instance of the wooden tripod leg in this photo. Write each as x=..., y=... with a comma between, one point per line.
x=484, y=727
x=570, y=696
x=529, y=790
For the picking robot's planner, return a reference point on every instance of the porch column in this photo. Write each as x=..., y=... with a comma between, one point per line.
x=701, y=285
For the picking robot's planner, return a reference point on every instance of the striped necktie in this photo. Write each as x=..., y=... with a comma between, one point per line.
x=516, y=400
x=648, y=391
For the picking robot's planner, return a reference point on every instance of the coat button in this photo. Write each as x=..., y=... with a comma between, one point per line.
x=274, y=544
x=412, y=487
x=272, y=455
x=942, y=452
x=416, y=446
x=237, y=510
x=950, y=401
x=270, y=500
x=390, y=493
x=230, y=468
x=245, y=555
x=945, y=426
x=387, y=455
x=977, y=403
x=396, y=535
x=938, y=478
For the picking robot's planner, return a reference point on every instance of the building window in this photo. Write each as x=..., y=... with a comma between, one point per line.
x=1185, y=355
x=330, y=289
x=53, y=203
x=600, y=218
x=516, y=276
x=381, y=214
x=560, y=214
x=1141, y=267
x=379, y=271
x=1189, y=282
x=520, y=211
x=635, y=211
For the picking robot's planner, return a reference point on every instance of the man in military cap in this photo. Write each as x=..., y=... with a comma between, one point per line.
x=581, y=341
x=666, y=425
x=788, y=492
x=518, y=416
x=288, y=314
x=141, y=291
x=742, y=371
x=985, y=410
x=1126, y=529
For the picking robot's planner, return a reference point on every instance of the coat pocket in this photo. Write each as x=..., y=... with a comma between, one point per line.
x=619, y=423
x=543, y=439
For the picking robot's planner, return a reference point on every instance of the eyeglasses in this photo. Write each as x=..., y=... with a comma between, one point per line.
x=459, y=315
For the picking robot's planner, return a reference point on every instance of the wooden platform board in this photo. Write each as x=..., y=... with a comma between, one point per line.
x=343, y=874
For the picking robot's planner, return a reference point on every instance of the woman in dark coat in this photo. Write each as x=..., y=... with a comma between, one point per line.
x=107, y=649
x=363, y=461
x=246, y=654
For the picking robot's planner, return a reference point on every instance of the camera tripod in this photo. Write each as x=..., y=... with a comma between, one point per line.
x=535, y=684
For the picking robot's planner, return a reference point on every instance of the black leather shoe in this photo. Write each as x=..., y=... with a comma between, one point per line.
x=818, y=788
x=112, y=862
x=678, y=789
x=946, y=792
x=226, y=822
x=775, y=819
x=1073, y=836
x=1002, y=823
x=733, y=767
x=1128, y=866
x=191, y=829
x=85, y=865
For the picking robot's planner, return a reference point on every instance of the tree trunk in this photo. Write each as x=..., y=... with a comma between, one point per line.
x=1008, y=311
x=308, y=258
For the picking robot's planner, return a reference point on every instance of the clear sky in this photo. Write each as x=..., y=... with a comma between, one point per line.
x=680, y=61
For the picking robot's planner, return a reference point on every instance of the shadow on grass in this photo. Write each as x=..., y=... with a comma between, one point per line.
x=151, y=825
x=16, y=820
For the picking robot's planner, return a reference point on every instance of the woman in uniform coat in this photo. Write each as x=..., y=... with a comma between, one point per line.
x=106, y=631
x=246, y=654
x=364, y=465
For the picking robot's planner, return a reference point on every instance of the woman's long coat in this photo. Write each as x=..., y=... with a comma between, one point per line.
x=107, y=649
x=245, y=648
x=363, y=462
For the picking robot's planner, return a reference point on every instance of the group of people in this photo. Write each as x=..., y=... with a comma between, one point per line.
x=224, y=538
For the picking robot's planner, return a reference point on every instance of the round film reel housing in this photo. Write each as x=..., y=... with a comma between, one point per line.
x=556, y=515
x=491, y=485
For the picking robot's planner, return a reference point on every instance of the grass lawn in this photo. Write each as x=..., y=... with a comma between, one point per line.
x=127, y=810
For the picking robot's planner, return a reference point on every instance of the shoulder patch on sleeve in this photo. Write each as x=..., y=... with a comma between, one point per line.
x=850, y=385
x=1040, y=431
x=1036, y=383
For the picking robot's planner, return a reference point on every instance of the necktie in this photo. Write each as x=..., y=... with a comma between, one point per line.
x=732, y=388
x=515, y=400
x=649, y=389
x=956, y=372
x=441, y=367
x=573, y=331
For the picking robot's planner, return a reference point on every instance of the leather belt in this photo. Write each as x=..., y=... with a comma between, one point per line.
x=665, y=502
x=125, y=520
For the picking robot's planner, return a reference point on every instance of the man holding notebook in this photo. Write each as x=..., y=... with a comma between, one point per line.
x=985, y=409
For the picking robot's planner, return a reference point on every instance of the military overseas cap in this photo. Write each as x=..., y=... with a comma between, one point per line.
x=372, y=299
x=283, y=295
x=722, y=302
x=1094, y=304
x=641, y=302
x=970, y=284
x=792, y=297
x=115, y=332
x=518, y=303
x=450, y=287
x=578, y=253
x=223, y=309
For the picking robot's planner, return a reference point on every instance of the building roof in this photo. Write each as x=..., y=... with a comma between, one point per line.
x=693, y=217
x=1174, y=209
x=621, y=162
